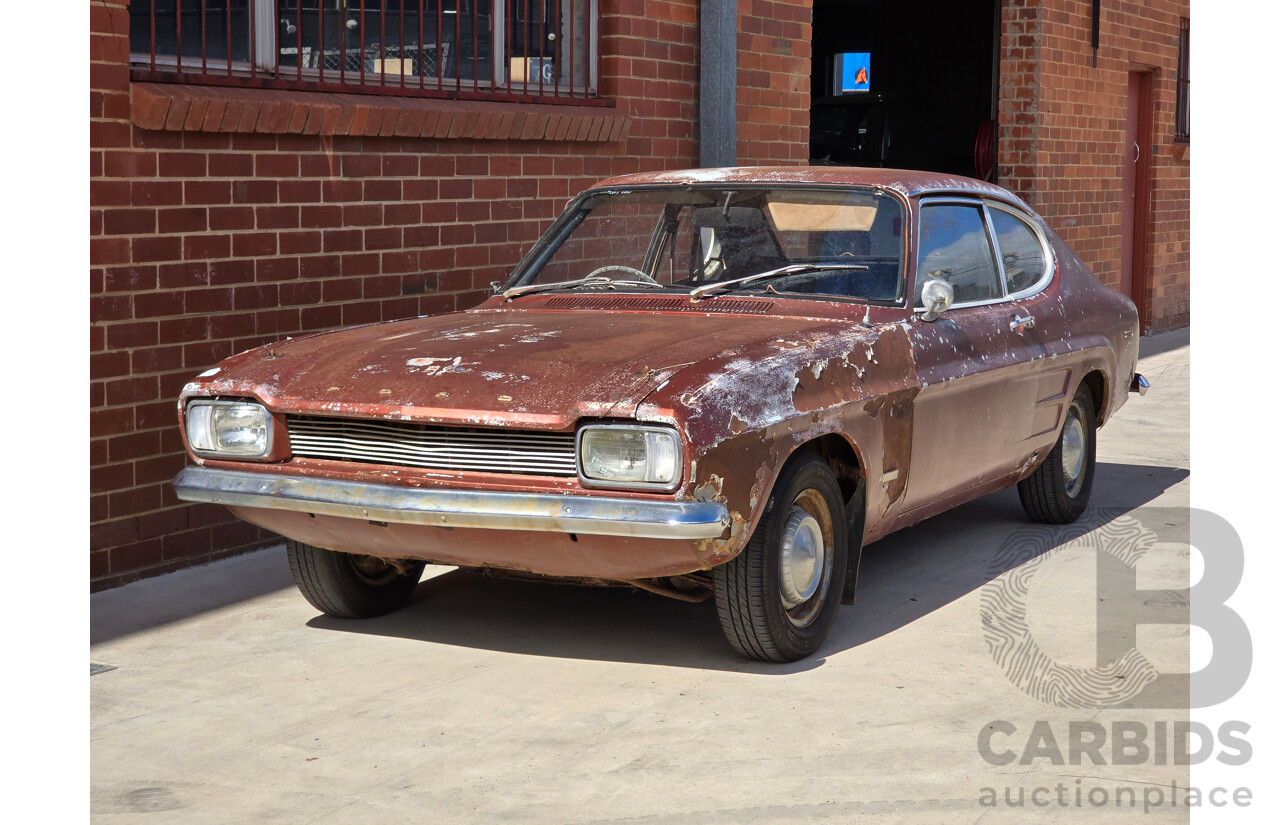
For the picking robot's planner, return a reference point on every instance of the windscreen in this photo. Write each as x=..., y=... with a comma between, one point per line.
x=821, y=242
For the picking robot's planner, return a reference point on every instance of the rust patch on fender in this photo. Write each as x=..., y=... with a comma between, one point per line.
x=710, y=490
x=732, y=478
x=714, y=552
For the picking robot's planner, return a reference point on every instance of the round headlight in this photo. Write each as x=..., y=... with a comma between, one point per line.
x=230, y=429
x=629, y=456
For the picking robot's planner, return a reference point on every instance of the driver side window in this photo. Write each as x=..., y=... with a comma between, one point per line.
x=955, y=247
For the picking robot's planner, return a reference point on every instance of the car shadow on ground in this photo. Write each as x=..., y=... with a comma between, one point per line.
x=903, y=577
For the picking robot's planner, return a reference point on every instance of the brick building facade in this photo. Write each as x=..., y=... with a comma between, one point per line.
x=1062, y=142
x=223, y=217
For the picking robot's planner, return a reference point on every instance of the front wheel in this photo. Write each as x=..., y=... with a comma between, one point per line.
x=351, y=586
x=1058, y=491
x=778, y=599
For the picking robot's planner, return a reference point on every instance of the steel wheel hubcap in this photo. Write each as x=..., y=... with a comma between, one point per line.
x=1073, y=451
x=803, y=557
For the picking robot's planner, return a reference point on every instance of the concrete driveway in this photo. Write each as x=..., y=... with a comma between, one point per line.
x=485, y=700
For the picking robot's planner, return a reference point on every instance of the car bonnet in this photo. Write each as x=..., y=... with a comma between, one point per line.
x=539, y=368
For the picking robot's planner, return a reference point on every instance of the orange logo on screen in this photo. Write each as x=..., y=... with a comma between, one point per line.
x=861, y=77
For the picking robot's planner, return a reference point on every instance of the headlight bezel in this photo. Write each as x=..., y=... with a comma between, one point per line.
x=202, y=448
x=616, y=484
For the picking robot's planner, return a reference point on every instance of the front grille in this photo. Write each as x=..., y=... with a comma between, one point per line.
x=406, y=444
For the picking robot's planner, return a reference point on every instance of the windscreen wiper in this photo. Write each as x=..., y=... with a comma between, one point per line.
x=793, y=269
x=595, y=280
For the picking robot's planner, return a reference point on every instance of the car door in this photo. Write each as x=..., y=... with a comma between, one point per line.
x=980, y=364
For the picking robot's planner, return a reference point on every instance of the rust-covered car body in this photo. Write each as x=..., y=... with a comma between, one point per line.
x=911, y=416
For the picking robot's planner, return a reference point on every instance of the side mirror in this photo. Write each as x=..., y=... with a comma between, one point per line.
x=936, y=296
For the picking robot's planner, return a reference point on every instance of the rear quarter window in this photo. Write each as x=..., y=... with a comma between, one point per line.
x=1021, y=251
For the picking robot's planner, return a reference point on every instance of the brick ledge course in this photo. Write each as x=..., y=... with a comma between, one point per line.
x=173, y=108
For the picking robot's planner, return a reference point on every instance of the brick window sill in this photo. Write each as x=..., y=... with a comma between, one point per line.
x=179, y=108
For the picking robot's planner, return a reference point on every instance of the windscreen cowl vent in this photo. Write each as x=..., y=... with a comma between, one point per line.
x=660, y=303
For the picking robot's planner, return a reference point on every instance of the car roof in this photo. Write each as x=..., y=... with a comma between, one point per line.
x=907, y=182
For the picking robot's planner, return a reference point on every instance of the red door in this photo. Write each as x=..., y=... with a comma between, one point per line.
x=980, y=373
x=1135, y=193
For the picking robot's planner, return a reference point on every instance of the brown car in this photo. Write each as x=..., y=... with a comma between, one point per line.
x=721, y=382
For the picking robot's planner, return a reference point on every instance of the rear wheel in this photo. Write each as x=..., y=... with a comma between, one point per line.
x=351, y=586
x=778, y=599
x=1058, y=491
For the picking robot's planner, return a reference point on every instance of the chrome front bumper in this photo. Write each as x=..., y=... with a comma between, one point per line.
x=591, y=515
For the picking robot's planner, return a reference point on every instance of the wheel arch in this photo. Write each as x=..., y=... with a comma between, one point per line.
x=1096, y=382
x=846, y=463
x=842, y=457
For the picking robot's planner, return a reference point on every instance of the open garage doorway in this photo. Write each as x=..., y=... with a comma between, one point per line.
x=908, y=85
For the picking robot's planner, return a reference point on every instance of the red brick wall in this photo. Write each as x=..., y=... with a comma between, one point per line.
x=227, y=222
x=1062, y=134
x=775, y=44
x=239, y=218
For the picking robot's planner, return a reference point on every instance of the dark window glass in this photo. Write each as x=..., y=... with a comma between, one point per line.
x=199, y=33
x=1020, y=250
x=954, y=247
x=843, y=244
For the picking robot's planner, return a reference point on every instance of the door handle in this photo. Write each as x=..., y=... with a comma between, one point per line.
x=1022, y=323
x=1137, y=152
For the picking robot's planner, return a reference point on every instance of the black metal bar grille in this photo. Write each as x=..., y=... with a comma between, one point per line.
x=1182, y=112
x=486, y=49
x=408, y=444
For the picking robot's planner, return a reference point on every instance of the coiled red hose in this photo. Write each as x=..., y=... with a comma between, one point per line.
x=984, y=151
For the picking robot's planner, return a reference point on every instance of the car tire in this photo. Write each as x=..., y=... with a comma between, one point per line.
x=778, y=598
x=350, y=586
x=1057, y=492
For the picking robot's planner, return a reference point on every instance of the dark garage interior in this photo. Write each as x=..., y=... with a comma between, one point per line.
x=907, y=85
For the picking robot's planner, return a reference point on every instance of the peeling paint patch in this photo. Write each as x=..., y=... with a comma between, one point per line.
x=437, y=365
x=462, y=333
x=710, y=490
x=538, y=336
x=714, y=552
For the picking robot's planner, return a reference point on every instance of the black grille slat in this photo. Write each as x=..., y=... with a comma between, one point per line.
x=406, y=444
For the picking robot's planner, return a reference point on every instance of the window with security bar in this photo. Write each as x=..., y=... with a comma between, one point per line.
x=519, y=49
x=1182, y=110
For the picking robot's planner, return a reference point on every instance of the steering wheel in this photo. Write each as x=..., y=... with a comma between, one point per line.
x=630, y=270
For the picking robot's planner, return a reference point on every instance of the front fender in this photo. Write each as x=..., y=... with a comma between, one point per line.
x=747, y=415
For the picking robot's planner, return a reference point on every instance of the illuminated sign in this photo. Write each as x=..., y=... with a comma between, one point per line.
x=852, y=72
